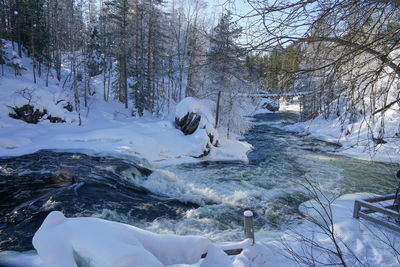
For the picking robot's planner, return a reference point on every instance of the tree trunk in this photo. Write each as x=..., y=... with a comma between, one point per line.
x=149, y=37
x=33, y=55
x=217, y=110
x=85, y=80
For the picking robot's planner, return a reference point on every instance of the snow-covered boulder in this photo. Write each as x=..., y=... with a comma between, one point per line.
x=189, y=123
x=70, y=242
x=195, y=117
x=271, y=105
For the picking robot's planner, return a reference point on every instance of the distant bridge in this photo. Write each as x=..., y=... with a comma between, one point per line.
x=267, y=95
x=299, y=92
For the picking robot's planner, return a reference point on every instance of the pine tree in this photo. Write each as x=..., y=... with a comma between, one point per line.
x=148, y=62
x=93, y=52
x=106, y=45
x=2, y=56
x=120, y=16
x=225, y=55
x=226, y=69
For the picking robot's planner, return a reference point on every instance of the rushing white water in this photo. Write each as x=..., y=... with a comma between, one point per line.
x=271, y=185
x=206, y=199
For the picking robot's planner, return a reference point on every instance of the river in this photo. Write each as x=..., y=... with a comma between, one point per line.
x=205, y=199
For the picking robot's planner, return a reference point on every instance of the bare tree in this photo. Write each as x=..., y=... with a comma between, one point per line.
x=351, y=59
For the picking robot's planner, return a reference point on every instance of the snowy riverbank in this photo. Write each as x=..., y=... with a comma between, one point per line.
x=107, y=127
x=126, y=245
x=111, y=131
x=359, y=144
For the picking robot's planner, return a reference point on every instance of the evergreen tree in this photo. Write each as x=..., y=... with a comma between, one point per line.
x=120, y=16
x=148, y=61
x=106, y=45
x=226, y=67
x=225, y=55
x=93, y=52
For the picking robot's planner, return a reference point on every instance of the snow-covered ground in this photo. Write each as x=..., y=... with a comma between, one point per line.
x=107, y=127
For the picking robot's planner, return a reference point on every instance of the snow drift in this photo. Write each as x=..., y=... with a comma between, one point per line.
x=68, y=242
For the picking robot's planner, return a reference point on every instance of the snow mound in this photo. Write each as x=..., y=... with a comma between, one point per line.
x=68, y=242
x=201, y=107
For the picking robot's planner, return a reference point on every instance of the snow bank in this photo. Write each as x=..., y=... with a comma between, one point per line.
x=19, y=90
x=358, y=116
x=373, y=245
x=70, y=242
x=359, y=143
x=282, y=105
x=107, y=127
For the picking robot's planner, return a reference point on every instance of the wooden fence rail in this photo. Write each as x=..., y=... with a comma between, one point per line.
x=366, y=207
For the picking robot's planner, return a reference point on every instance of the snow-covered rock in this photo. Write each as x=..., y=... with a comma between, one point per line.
x=194, y=116
x=189, y=123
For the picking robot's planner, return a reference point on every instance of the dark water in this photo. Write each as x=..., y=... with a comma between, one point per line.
x=206, y=198
x=78, y=185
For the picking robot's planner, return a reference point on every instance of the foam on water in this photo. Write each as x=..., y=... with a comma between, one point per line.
x=272, y=188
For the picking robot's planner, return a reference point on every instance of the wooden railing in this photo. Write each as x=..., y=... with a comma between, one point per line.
x=380, y=205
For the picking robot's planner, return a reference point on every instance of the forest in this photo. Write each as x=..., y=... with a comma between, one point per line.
x=151, y=53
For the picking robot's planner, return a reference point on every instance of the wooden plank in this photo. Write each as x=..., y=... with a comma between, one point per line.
x=383, y=210
x=229, y=252
x=356, y=209
x=369, y=211
x=390, y=225
x=380, y=198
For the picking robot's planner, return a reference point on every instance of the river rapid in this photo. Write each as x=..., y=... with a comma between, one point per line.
x=205, y=199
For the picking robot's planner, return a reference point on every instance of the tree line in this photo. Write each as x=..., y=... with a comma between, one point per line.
x=149, y=53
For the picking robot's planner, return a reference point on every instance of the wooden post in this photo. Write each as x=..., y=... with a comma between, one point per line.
x=356, y=209
x=248, y=225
